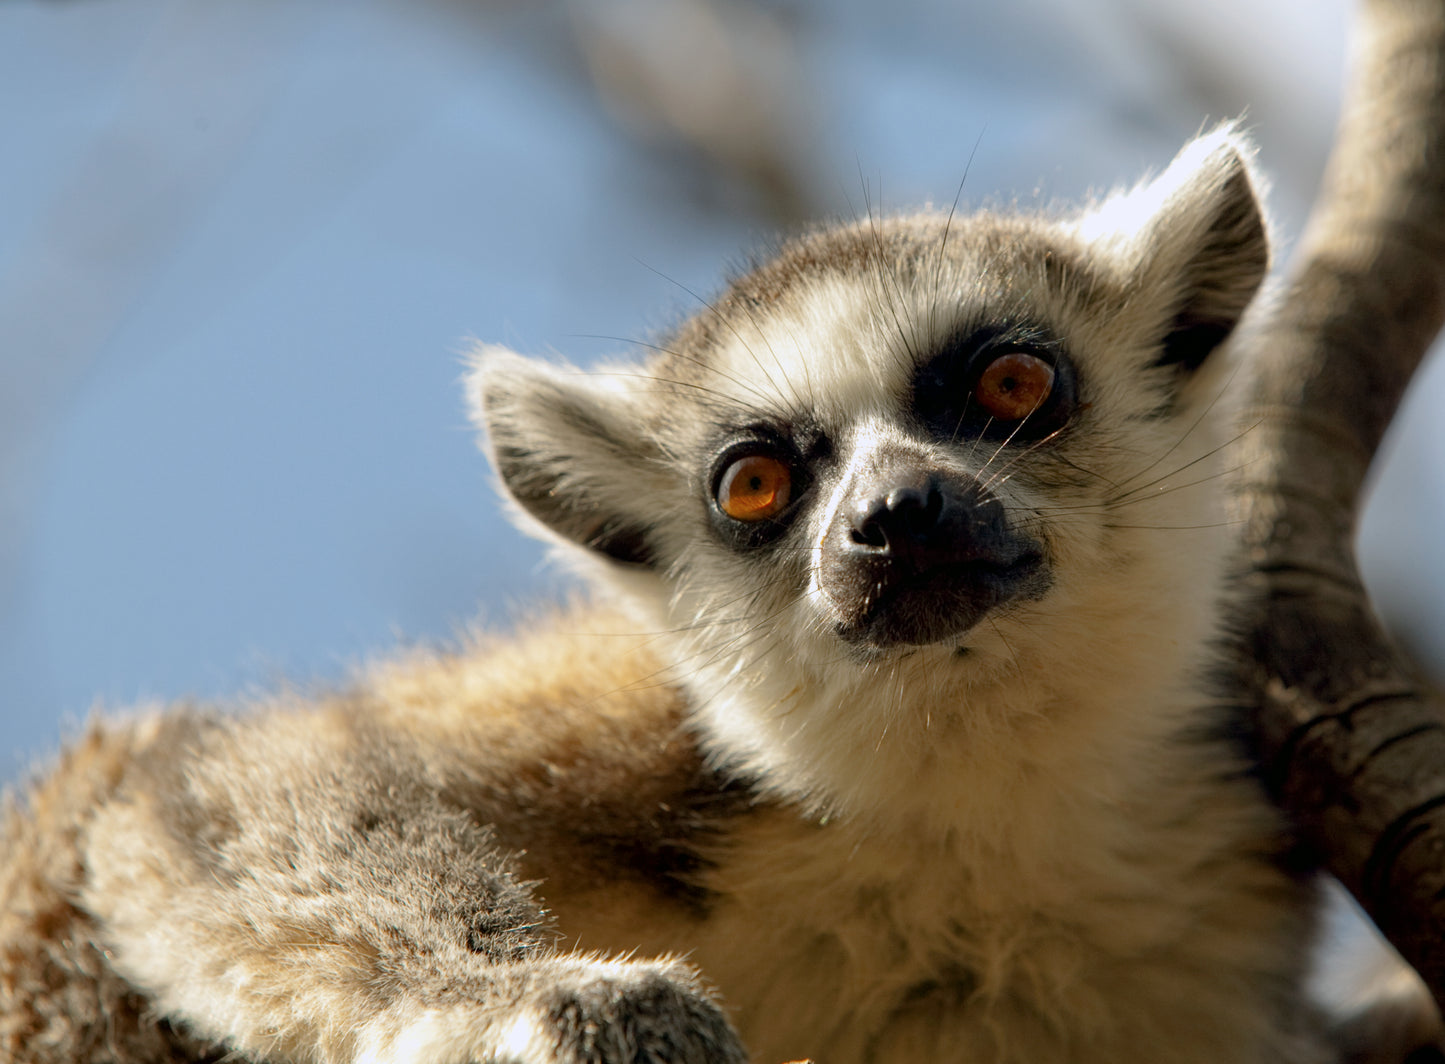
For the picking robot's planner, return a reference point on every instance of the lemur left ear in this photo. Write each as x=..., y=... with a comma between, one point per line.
x=1200, y=242
x=570, y=452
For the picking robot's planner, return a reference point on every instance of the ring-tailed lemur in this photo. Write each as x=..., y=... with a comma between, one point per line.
x=886, y=743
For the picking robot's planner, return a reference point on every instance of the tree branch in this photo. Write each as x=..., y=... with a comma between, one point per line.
x=1351, y=741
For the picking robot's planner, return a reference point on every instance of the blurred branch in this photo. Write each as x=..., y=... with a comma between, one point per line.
x=721, y=78
x=1351, y=741
x=718, y=89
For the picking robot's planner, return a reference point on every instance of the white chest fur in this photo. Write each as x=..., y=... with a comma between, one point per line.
x=1119, y=923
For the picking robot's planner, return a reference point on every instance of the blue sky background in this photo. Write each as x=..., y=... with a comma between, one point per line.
x=243, y=246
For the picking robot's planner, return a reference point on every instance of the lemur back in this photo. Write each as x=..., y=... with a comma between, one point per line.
x=887, y=737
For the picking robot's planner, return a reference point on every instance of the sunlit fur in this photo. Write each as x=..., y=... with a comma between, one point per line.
x=693, y=811
x=1039, y=815
x=1129, y=504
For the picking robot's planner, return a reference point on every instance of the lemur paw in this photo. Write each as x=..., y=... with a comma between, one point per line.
x=570, y=1012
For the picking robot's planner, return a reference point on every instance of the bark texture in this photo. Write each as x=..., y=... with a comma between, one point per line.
x=1351, y=739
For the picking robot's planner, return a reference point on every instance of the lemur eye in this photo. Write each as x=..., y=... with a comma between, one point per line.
x=1014, y=385
x=755, y=488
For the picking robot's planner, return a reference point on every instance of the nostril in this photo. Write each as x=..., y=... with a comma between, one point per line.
x=870, y=533
x=903, y=515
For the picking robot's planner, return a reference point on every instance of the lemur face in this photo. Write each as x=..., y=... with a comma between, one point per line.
x=911, y=542
x=925, y=434
x=912, y=438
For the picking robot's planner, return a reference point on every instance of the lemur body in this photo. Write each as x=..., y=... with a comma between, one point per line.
x=898, y=730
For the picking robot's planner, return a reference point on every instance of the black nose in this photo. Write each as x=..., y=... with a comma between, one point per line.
x=919, y=555
x=917, y=526
x=904, y=523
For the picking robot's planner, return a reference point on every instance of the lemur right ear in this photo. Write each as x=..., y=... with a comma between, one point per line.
x=1197, y=237
x=569, y=451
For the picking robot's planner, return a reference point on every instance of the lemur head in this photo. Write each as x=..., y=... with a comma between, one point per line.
x=919, y=473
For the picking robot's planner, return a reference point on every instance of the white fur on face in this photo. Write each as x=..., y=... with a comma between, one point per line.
x=1126, y=501
x=1133, y=544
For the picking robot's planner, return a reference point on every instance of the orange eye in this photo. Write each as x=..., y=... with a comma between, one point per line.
x=755, y=488
x=1014, y=386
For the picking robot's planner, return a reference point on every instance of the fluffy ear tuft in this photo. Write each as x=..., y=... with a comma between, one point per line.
x=568, y=450
x=1199, y=231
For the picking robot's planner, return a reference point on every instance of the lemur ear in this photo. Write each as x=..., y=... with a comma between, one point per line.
x=568, y=449
x=1200, y=242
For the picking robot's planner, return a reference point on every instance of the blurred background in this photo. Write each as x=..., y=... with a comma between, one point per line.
x=244, y=244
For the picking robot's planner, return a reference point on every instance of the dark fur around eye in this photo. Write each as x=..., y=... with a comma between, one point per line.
x=943, y=386
x=796, y=451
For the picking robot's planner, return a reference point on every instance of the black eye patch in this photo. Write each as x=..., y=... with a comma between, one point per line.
x=760, y=477
x=1000, y=381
